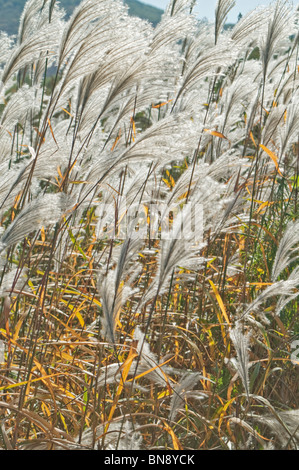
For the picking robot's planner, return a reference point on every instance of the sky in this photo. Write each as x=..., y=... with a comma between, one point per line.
x=206, y=8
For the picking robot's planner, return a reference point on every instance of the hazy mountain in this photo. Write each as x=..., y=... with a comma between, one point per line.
x=11, y=11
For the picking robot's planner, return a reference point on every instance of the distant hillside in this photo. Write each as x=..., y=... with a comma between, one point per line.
x=146, y=12
x=11, y=11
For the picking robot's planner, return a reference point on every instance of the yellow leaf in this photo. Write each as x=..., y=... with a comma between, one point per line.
x=50, y=127
x=43, y=234
x=30, y=284
x=125, y=368
x=172, y=182
x=164, y=394
x=166, y=182
x=273, y=158
x=6, y=387
x=252, y=138
x=133, y=127
x=161, y=104
x=17, y=328
x=46, y=409
x=152, y=369
x=223, y=410
x=216, y=134
x=260, y=284
x=176, y=443
x=65, y=110
x=59, y=172
x=116, y=140
x=264, y=204
x=80, y=318
x=75, y=311
x=220, y=302
x=63, y=422
x=37, y=131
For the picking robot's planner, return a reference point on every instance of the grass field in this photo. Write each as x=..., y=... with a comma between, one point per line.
x=149, y=230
